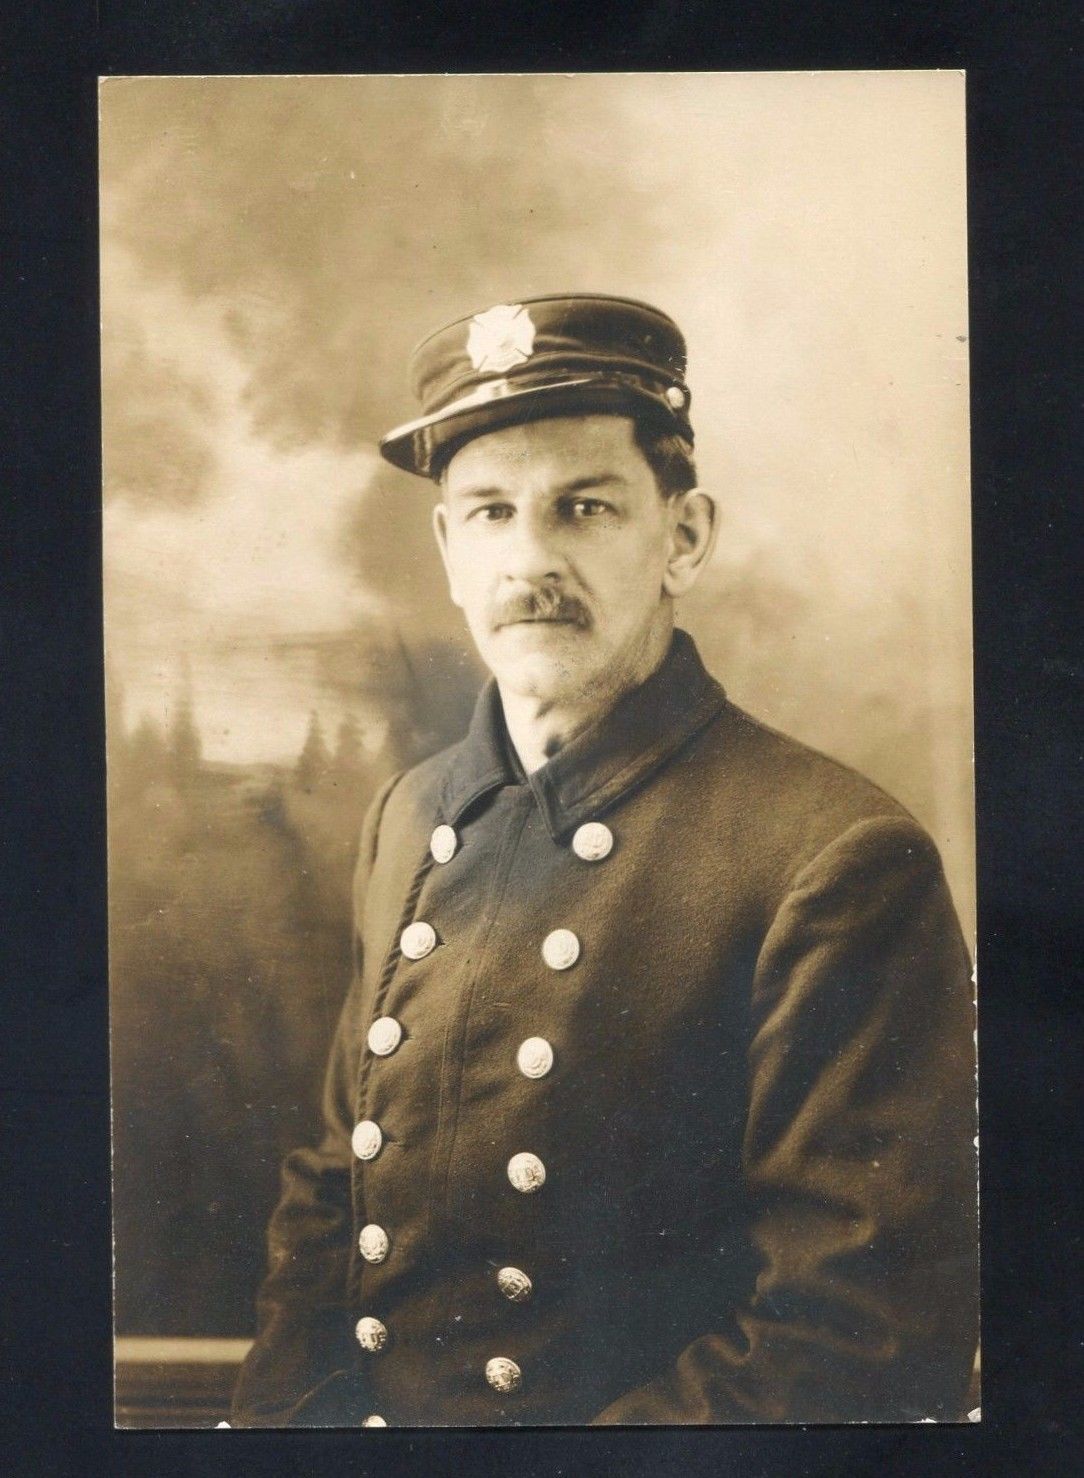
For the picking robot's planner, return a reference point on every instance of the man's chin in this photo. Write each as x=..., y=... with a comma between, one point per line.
x=546, y=670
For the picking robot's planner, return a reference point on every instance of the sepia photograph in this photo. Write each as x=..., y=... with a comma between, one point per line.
x=541, y=838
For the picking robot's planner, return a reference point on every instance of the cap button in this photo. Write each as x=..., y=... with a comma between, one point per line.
x=675, y=397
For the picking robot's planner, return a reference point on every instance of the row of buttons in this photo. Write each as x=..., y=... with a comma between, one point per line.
x=502, y=1373
x=591, y=842
x=560, y=948
x=417, y=940
x=525, y=1170
x=534, y=1058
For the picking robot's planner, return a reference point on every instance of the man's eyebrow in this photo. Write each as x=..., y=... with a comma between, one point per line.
x=481, y=492
x=592, y=480
x=576, y=485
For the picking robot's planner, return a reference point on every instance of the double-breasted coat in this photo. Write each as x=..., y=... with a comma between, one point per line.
x=651, y=1101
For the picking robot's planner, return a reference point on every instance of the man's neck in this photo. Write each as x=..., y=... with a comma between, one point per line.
x=538, y=728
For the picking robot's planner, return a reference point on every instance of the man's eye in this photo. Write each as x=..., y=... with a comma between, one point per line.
x=492, y=512
x=589, y=507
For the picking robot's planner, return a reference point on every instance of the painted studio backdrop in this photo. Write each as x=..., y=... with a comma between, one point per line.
x=278, y=636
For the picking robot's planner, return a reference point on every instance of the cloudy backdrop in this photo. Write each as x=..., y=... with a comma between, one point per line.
x=271, y=250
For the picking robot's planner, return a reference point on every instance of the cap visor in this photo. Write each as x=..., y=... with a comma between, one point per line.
x=414, y=445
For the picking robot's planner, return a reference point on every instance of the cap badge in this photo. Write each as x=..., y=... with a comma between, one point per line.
x=500, y=338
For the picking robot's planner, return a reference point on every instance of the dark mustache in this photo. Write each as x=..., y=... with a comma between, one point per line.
x=544, y=603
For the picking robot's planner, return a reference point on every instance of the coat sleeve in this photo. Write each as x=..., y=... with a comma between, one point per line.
x=859, y=1162
x=303, y=1367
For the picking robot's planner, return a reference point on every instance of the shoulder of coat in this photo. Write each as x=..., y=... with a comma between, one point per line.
x=799, y=788
x=417, y=791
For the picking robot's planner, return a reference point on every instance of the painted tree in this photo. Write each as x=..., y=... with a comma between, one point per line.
x=314, y=762
x=348, y=757
x=185, y=747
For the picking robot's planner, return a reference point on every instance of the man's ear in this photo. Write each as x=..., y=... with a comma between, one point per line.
x=693, y=531
x=440, y=532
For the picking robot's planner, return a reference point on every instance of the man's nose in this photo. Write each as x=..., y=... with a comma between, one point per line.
x=531, y=552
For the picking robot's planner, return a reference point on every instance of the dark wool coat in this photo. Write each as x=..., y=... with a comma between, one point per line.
x=756, y=1131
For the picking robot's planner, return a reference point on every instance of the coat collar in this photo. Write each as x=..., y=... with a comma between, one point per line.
x=599, y=766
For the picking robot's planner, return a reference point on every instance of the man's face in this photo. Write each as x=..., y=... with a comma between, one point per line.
x=555, y=539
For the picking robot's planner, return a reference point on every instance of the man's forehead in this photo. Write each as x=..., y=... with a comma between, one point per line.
x=602, y=446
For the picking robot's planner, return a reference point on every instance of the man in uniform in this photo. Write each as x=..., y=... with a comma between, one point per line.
x=652, y=1099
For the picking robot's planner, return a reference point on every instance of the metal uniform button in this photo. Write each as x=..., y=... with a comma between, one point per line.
x=592, y=841
x=561, y=949
x=535, y=1057
x=366, y=1139
x=515, y=1285
x=675, y=397
x=374, y=1421
x=373, y=1243
x=503, y=1375
x=371, y=1334
x=443, y=844
x=385, y=1034
x=526, y=1172
x=417, y=940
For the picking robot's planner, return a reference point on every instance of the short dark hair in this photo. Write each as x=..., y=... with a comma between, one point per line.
x=668, y=454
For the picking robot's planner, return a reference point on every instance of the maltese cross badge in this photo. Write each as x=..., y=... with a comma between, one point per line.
x=500, y=338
